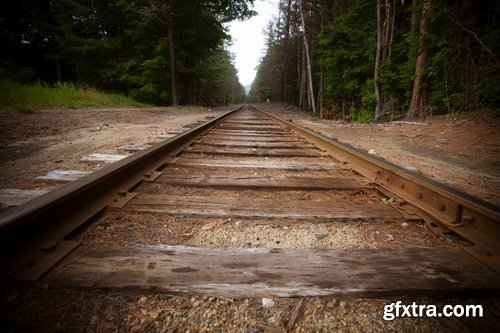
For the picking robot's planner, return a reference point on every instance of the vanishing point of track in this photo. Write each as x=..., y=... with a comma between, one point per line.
x=250, y=166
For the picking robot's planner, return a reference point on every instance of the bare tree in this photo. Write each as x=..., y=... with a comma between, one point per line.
x=287, y=57
x=378, y=60
x=302, y=74
x=388, y=29
x=321, y=73
x=308, y=59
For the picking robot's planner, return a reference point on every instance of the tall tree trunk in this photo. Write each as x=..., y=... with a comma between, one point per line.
x=173, y=89
x=321, y=73
x=378, y=60
x=388, y=29
x=320, y=92
x=306, y=48
x=286, y=60
x=414, y=16
x=385, y=33
x=224, y=95
x=419, y=100
x=303, y=79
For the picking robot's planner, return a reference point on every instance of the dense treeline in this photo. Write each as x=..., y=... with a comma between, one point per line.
x=384, y=59
x=156, y=51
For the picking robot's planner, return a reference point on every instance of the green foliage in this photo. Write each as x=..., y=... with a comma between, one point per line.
x=123, y=46
x=367, y=102
x=398, y=75
x=360, y=115
x=461, y=72
x=146, y=80
x=349, y=47
x=33, y=97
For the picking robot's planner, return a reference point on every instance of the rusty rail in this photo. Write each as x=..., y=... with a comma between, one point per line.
x=32, y=235
x=475, y=220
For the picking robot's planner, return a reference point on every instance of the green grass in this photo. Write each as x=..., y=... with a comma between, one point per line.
x=33, y=97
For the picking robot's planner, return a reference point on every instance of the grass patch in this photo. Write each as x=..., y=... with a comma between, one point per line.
x=313, y=118
x=33, y=97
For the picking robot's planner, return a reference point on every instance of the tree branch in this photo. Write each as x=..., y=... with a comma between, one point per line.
x=473, y=34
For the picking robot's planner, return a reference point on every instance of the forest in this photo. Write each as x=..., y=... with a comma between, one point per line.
x=351, y=59
x=382, y=60
x=163, y=52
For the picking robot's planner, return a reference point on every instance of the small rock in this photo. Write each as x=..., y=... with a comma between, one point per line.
x=335, y=301
x=343, y=304
x=389, y=237
x=267, y=303
x=330, y=305
x=274, y=321
x=196, y=304
x=154, y=313
x=321, y=236
x=404, y=224
x=142, y=300
x=237, y=224
x=372, y=152
x=99, y=228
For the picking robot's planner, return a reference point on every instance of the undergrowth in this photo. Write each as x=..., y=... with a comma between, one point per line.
x=30, y=98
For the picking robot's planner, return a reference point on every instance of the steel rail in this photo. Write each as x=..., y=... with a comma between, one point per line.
x=474, y=219
x=32, y=235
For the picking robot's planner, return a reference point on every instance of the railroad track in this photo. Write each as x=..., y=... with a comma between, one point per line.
x=182, y=216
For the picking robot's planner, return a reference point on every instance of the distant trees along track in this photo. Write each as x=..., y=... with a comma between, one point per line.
x=225, y=153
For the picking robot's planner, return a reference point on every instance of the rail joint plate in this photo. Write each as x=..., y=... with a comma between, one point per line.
x=444, y=210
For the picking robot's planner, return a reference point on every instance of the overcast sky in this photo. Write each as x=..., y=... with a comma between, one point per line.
x=248, y=39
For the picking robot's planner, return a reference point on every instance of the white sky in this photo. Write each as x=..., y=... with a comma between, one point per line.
x=248, y=39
